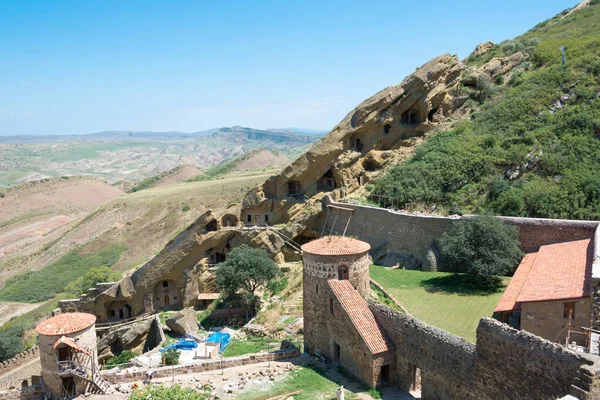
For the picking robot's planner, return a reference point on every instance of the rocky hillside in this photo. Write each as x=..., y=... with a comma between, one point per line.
x=531, y=146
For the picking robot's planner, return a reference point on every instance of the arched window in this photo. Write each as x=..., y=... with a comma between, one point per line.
x=342, y=273
x=165, y=284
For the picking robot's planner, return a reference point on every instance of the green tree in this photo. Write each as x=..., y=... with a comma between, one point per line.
x=245, y=271
x=171, y=357
x=90, y=279
x=484, y=86
x=483, y=247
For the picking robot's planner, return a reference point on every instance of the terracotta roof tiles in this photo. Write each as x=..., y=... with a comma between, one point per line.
x=556, y=272
x=361, y=316
x=65, y=324
x=336, y=246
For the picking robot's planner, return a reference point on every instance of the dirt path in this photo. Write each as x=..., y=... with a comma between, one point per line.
x=8, y=310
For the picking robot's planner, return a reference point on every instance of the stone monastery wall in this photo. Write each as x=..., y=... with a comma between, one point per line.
x=405, y=233
x=504, y=364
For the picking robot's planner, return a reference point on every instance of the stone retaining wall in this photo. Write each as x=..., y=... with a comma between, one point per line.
x=19, y=360
x=410, y=235
x=28, y=393
x=116, y=377
x=504, y=364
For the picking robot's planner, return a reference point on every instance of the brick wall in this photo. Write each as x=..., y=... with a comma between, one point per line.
x=403, y=234
x=115, y=377
x=504, y=364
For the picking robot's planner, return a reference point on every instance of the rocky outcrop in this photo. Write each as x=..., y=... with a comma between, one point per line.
x=373, y=135
x=502, y=65
x=183, y=322
x=482, y=49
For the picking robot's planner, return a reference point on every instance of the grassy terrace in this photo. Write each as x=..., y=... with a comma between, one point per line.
x=438, y=298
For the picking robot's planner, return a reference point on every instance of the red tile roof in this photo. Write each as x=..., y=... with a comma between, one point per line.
x=361, y=316
x=65, y=324
x=71, y=343
x=508, y=301
x=336, y=246
x=556, y=272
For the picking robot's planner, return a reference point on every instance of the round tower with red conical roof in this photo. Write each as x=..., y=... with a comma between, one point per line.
x=331, y=257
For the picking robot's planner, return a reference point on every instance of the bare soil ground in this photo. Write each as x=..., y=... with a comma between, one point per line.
x=34, y=214
x=181, y=174
x=263, y=159
x=8, y=310
x=143, y=221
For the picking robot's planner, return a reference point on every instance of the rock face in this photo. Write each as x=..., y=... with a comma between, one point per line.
x=184, y=321
x=432, y=260
x=502, y=65
x=482, y=49
x=375, y=134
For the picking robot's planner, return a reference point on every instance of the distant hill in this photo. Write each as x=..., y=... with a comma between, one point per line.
x=239, y=134
x=124, y=156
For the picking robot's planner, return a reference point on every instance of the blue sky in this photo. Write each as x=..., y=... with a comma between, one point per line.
x=70, y=67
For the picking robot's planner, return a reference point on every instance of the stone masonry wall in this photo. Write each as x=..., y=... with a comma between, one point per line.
x=13, y=367
x=116, y=377
x=545, y=319
x=505, y=363
x=404, y=233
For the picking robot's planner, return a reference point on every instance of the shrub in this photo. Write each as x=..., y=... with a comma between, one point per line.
x=121, y=359
x=36, y=286
x=167, y=393
x=275, y=286
x=185, y=208
x=90, y=279
x=170, y=357
x=499, y=80
x=483, y=247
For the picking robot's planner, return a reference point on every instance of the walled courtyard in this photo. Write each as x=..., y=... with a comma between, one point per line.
x=438, y=298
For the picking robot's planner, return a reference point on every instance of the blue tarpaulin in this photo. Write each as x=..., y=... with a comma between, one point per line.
x=218, y=337
x=182, y=344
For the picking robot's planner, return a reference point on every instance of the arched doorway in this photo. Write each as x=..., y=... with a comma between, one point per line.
x=343, y=273
x=167, y=300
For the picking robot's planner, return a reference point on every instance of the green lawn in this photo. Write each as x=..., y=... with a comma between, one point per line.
x=439, y=298
x=255, y=345
x=313, y=380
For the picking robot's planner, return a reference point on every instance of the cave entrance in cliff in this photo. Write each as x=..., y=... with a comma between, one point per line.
x=369, y=166
x=118, y=310
x=410, y=117
x=327, y=182
x=431, y=114
x=211, y=226
x=229, y=220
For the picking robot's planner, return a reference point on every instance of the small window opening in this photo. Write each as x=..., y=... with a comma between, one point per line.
x=121, y=315
x=266, y=217
x=386, y=128
x=165, y=284
x=317, y=288
x=292, y=189
x=249, y=218
x=343, y=273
